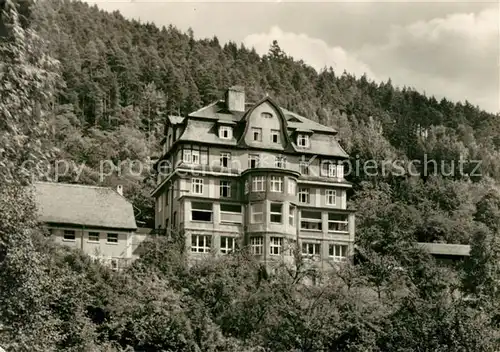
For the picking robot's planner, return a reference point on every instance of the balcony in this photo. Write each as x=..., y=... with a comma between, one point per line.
x=208, y=216
x=332, y=225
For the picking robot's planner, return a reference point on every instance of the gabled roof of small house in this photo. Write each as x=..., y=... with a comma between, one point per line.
x=81, y=205
x=446, y=249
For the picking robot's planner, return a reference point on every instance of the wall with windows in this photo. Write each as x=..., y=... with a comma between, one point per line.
x=222, y=159
x=93, y=241
x=269, y=185
x=199, y=242
x=271, y=216
x=320, y=196
x=227, y=188
x=325, y=253
x=328, y=235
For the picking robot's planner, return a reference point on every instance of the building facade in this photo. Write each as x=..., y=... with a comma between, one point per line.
x=235, y=174
x=97, y=220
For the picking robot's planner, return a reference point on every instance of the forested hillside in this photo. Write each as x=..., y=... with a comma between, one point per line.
x=121, y=78
x=106, y=99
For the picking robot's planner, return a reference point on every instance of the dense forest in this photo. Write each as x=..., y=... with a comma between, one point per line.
x=83, y=85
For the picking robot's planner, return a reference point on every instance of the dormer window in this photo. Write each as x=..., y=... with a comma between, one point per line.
x=303, y=140
x=225, y=132
x=275, y=136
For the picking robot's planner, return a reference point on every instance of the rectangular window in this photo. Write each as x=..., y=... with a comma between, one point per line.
x=276, y=184
x=112, y=238
x=328, y=169
x=337, y=223
x=196, y=157
x=291, y=215
x=201, y=211
x=292, y=186
x=195, y=154
x=225, y=159
x=332, y=170
x=276, y=212
x=258, y=184
x=225, y=132
x=247, y=187
x=69, y=235
x=331, y=197
x=197, y=185
x=201, y=243
x=309, y=248
x=275, y=136
x=186, y=156
x=303, y=140
x=311, y=220
x=225, y=189
x=253, y=161
x=280, y=162
x=94, y=236
x=275, y=245
x=257, y=134
x=304, y=195
x=337, y=252
x=257, y=245
x=257, y=211
x=227, y=244
x=230, y=213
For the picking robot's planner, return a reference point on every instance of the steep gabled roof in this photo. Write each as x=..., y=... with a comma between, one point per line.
x=82, y=205
x=297, y=121
x=324, y=141
x=218, y=111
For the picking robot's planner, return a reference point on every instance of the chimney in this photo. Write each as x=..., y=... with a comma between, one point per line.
x=119, y=189
x=235, y=99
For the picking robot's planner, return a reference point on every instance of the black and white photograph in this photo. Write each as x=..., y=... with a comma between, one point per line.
x=249, y=176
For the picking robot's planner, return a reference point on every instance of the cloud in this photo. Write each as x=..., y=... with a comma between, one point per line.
x=313, y=51
x=456, y=56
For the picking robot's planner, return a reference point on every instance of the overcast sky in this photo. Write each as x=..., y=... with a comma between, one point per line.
x=445, y=48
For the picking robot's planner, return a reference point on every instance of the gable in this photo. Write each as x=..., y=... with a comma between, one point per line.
x=265, y=119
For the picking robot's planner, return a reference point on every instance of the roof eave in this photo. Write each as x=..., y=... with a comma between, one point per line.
x=80, y=225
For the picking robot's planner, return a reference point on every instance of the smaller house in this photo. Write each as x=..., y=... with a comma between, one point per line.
x=98, y=220
x=446, y=252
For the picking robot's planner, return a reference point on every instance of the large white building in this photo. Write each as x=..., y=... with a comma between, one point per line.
x=254, y=175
